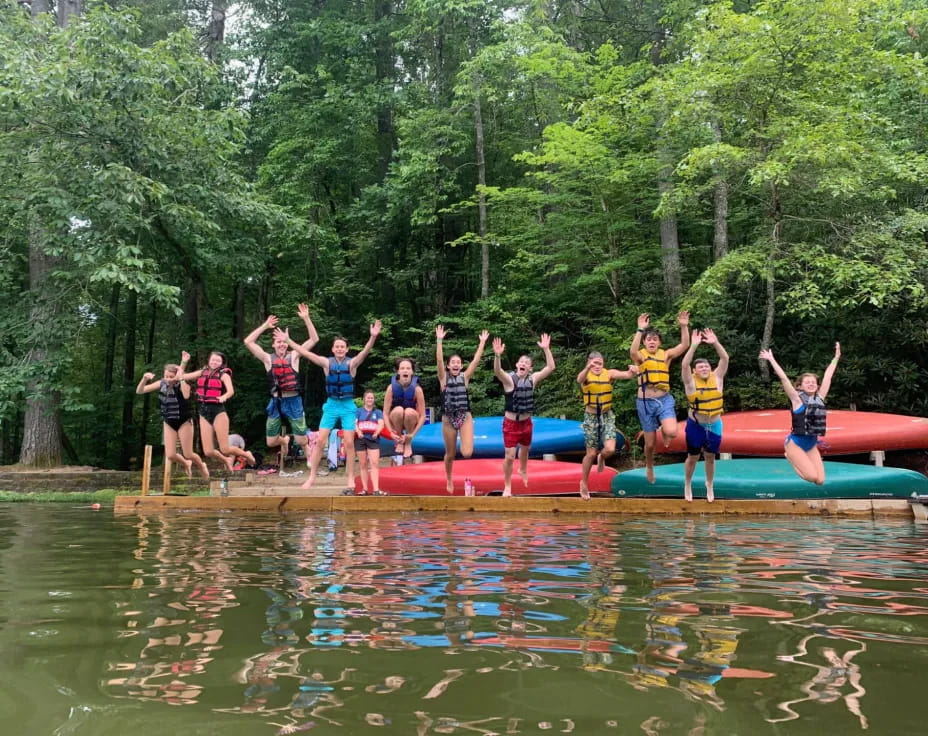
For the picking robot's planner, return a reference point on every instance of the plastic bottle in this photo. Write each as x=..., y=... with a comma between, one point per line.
x=223, y=487
x=468, y=487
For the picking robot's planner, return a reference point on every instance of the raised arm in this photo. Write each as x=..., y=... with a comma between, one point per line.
x=472, y=366
x=183, y=375
x=581, y=376
x=545, y=344
x=635, y=350
x=788, y=387
x=830, y=372
x=303, y=311
x=144, y=388
x=683, y=319
x=440, y=355
x=504, y=378
x=708, y=337
x=365, y=351
x=686, y=365
x=251, y=341
x=319, y=360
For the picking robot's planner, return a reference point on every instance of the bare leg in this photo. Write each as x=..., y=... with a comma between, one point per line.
x=808, y=465
x=689, y=467
x=523, y=465
x=450, y=436
x=588, y=459
x=321, y=439
x=362, y=466
x=209, y=450
x=669, y=430
x=410, y=420
x=185, y=434
x=467, y=436
x=221, y=427
x=397, y=421
x=507, y=470
x=170, y=450
x=650, y=438
x=710, y=477
x=373, y=457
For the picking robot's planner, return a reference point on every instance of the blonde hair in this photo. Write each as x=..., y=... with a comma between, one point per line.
x=798, y=383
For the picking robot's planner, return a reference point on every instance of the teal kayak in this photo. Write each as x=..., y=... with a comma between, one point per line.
x=764, y=478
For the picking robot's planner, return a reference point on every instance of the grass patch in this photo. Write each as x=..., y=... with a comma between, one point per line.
x=106, y=495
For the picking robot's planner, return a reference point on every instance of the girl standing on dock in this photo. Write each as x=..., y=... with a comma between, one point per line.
x=456, y=417
x=176, y=414
x=369, y=424
x=807, y=399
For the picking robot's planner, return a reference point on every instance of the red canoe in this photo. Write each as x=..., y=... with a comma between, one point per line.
x=849, y=433
x=544, y=478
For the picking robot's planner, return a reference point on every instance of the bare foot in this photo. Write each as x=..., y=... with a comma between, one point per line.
x=600, y=463
x=188, y=467
x=449, y=487
x=407, y=449
x=507, y=492
x=649, y=474
x=584, y=491
x=524, y=475
x=710, y=493
x=230, y=462
x=688, y=491
x=307, y=485
x=284, y=450
x=250, y=457
x=667, y=440
x=204, y=471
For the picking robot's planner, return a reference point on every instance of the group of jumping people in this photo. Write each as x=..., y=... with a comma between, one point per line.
x=403, y=413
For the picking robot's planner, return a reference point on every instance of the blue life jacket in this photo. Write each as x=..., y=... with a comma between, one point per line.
x=339, y=383
x=405, y=397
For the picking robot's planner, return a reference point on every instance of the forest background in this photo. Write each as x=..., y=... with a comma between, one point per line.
x=172, y=171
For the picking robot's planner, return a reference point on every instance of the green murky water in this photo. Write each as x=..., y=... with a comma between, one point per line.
x=417, y=624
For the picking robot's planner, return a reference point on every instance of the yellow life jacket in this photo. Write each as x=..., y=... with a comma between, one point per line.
x=597, y=391
x=652, y=370
x=706, y=399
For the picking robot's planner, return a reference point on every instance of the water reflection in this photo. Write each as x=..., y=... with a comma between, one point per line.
x=425, y=625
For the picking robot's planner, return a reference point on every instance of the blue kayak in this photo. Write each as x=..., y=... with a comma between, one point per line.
x=549, y=437
x=768, y=478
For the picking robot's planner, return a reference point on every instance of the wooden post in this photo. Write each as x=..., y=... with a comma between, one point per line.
x=146, y=470
x=166, y=481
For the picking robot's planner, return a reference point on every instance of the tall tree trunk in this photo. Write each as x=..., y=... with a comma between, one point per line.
x=149, y=357
x=238, y=311
x=109, y=358
x=613, y=255
x=216, y=29
x=128, y=382
x=720, y=236
x=670, y=244
x=770, y=311
x=481, y=199
x=67, y=10
x=37, y=7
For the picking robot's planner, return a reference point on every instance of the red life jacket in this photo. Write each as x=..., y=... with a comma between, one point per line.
x=282, y=376
x=209, y=385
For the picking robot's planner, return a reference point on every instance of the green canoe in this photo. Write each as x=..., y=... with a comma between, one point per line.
x=768, y=478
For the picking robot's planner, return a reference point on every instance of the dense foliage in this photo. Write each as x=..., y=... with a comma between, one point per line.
x=172, y=171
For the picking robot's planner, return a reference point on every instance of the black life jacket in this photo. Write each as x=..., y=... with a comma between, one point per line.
x=339, y=383
x=281, y=377
x=521, y=400
x=810, y=421
x=454, y=398
x=174, y=406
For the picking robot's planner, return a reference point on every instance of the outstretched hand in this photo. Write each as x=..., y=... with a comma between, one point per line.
x=270, y=322
x=545, y=342
x=766, y=355
x=643, y=321
x=633, y=369
x=184, y=356
x=484, y=336
x=440, y=332
x=282, y=335
x=302, y=311
x=698, y=337
x=683, y=318
x=498, y=346
x=148, y=376
x=376, y=327
x=708, y=337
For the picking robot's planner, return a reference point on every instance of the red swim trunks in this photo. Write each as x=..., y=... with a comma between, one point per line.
x=517, y=432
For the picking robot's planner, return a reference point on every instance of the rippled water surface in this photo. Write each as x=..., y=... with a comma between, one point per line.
x=419, y=624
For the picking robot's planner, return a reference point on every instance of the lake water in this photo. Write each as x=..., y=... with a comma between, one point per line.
x=419, y=624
